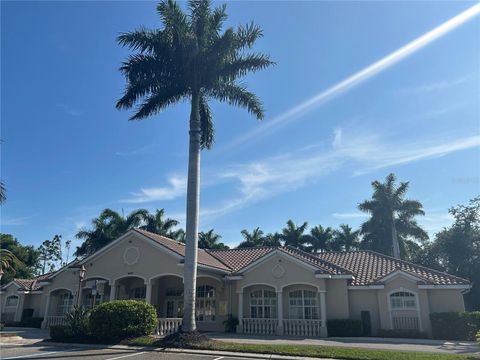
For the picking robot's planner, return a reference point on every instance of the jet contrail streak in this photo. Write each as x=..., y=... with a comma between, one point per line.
x=361, y=76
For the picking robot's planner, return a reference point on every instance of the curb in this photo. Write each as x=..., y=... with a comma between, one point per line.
x=181, y=351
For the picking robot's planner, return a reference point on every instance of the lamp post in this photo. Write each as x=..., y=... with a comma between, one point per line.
x=81, y=276
x=1, y=273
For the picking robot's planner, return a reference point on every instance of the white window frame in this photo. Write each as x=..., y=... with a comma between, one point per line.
x=304, y=305
x=416, y=309
x=206, y=305
x=141, y=289
x=261, y=303
x=65, y=303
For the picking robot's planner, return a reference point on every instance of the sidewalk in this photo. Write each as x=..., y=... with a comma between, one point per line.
x=423, y=345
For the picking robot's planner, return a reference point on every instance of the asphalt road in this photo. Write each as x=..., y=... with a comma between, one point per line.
x=52, y=352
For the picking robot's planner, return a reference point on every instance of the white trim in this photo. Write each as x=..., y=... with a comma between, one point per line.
x=158, y=276
x=348, y=277
x=400, y=273
x=366, y=287
x=16, y=306
x=207, y=267
x=5, y=287
x=61, y=288
x=323, y=276
x=233, y=277
x=283, y=254
x=130, y=275
x=257, y=284
x=457, y=287
x=303, y=283
x=96, y=278
x=417, y=306
x=209, y=276
x=29, y=292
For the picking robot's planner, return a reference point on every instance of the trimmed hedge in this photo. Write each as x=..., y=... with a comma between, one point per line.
x=30, y=322
x=455, y=325
x=120, y=319
x=344, y=327
x=406, y=334
x=61, y=333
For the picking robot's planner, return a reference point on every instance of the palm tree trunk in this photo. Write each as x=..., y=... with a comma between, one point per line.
x=193, y=200
x=396, y=247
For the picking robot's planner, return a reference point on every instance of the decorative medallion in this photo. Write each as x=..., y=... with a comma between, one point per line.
x=131, y=255
x=278, y=271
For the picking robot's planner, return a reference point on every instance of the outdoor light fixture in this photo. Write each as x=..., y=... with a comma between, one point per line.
x=81, y=276
x=1, y=273
x=81, y=273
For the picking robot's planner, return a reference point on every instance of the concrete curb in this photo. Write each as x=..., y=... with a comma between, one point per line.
x=180, y=351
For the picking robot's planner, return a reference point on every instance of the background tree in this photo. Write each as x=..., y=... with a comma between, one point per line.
x=16, y=259
x=68, y=245
x=347, y=238
x=294, y=235
x=50, y=254
x=158, y=224
x=392, y=219
x=319, y=239
x=190, y=58
x=251, y=239
x=210, y=240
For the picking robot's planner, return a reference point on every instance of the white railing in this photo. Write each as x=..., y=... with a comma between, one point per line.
x=167, y=326
x=259, y=326
x=55, y=320
x=405, y=323
x=294, y=327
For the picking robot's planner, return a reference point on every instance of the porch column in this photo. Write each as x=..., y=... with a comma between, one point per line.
x=46, y=313
x=113, y=290
x=148, y=293
x=19, y=311
x=240, y=313
x=323, y=314
x=280, y=312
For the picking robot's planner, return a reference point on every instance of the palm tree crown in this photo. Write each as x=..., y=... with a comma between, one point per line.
x=346, y=238
x=293, y=235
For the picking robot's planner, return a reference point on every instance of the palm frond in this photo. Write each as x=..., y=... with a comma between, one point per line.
x=206, y=124
x=237, y=95
x=155, y=103
x=242, y=65
x=143, y=40
x=247, y=35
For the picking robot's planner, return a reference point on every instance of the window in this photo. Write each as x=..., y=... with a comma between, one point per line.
x=89, y=300
x=263, y=304
x=205, y=303
x=65, y=303
x=303, y=304
x=403, y=300
x=174, y=302
x=12, y=301
x=138, y=293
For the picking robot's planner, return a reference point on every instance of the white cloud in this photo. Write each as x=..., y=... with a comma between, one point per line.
x=177, y=187
x=15, y=221
x=435, y=86
x=349, y=215
x=366, y=73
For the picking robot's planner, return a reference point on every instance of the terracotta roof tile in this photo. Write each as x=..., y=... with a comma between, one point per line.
x=204, y=258
x=237, y=259
x=370, y=268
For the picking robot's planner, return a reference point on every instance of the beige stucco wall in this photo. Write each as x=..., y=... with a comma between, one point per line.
x=337, y=299
x=364, y=300
x=441, y=300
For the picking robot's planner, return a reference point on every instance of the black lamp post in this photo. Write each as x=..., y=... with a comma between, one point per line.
x=81, y=276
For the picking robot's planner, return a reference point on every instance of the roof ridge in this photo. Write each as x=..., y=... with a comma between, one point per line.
x=208, y=251
x=247, y=248
x=146, y=233
x=319, y=259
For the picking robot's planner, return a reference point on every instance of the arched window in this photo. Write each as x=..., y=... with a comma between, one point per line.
x=138, y=293
x=303, y=304
x=12, y=301
x=65, y=303
x=403, y=300
x=263, y=304
x=205, y=303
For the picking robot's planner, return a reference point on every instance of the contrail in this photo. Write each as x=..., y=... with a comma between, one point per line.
x=359, y=77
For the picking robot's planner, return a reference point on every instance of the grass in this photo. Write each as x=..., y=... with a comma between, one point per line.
x=9, y=334
x=332, y=352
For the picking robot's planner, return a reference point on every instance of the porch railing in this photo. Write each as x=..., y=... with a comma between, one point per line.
x=294, y=327
x=259, y=326
x=167, y=326
x=55, y=320
x=405, y=323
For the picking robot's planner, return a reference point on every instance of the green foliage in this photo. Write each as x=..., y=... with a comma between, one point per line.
x=257, y=238
x=344, y=327
x=320, y=240
x=390, y=212
x=294, y=235
x=210, y=240
x=231, y=324
x=51, y=254
x=61, y=333
x=27, y=259
x=407, y=334
x=346, y=238
x=121, y=319
x=2, y=325
x=478, y=336
x=78, y=321
x=455, y=325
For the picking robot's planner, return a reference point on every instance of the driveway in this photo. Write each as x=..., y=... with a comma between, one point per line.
x=424, y=345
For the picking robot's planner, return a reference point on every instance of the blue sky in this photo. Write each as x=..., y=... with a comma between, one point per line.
x=67, y=153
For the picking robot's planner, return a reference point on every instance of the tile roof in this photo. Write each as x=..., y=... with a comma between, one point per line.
x=369, y=268
x=204, y=257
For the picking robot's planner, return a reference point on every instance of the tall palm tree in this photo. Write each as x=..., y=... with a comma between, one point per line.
x=293, y=235
x=191, y=58
x=347, y=238
x=210, y=240
x=320, y=239
x=392, y=218
x=3, y=193
x=156, y=223
x=251, y=239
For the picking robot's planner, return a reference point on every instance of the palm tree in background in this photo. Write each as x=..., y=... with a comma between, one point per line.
x=3, y=192
x=392, y=218
x=251, y=239
x=158, y=224
x=192, y=59
x=294, y=235
x=320, y=239
x=210, y=240
x=347, y=238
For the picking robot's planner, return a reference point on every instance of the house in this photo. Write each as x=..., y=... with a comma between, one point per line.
x=271, y=290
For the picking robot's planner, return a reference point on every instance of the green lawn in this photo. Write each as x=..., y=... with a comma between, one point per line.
x=312, y=350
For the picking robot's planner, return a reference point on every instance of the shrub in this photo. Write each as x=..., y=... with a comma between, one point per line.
x=344, y=327
x=2, y=325
x=61, y=333
x=407, y=334
x=32, y=322
x=77, y=321
x=455, y=325
x=478, y=336
x=121, y=319
x=231, y=324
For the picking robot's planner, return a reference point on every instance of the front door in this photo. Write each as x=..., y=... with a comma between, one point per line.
x=174, y=308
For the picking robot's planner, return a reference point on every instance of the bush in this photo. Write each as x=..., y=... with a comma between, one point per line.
x=455, y=325
x=120, y=319
x=407, y=334
x=478, y=336
x=344, y=327
x=231, y=324
x=2, y=325
x=61, y=333
x=77, y=321
x=32, y=322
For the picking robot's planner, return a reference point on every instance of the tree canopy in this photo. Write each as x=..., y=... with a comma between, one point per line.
x=18, y=261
